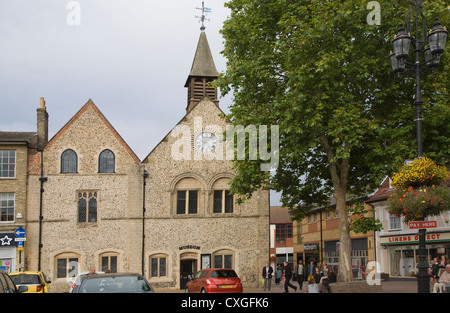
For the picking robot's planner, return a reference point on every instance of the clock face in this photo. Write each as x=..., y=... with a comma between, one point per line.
x=206, y=142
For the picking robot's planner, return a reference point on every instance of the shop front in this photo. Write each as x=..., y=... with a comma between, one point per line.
x=8, y=249
x=401, y=252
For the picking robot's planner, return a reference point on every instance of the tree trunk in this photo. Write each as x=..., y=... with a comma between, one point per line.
x=345, y=273
x=339, y=175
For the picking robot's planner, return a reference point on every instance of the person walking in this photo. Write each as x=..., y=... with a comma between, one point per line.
x=267, y=276
x=288, y=277
x=300, y=270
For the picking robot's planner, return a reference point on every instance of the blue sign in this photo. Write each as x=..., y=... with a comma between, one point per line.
x=20, y=232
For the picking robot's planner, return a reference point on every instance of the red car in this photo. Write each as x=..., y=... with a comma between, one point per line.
x=215, y=280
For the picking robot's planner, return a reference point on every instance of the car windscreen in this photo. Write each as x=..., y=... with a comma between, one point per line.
x=223, y=274
x=25, y=279
x=114, y=284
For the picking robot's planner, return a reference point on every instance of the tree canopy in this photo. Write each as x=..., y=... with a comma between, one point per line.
x=318, y=70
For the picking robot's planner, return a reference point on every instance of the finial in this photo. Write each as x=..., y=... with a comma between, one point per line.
x=203, y=16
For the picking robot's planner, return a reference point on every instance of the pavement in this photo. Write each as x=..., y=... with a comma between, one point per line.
x=388, y=286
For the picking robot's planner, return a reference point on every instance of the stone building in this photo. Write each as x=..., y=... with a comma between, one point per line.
x=92, y=191
x=19, y=157
x=192, y=221
x=95, y=204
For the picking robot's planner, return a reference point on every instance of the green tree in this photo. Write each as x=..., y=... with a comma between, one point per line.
x=318, y=70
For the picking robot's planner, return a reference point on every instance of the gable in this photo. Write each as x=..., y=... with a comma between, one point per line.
x=206, y=110
x=82, y=128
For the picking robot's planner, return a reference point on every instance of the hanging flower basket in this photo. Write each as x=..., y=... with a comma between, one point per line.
x=419, y=190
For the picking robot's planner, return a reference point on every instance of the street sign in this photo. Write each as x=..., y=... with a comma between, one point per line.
x=20, y=232
x=20, y=239
x=422, y=224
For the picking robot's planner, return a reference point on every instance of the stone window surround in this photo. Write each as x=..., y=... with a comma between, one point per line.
x=205, y=195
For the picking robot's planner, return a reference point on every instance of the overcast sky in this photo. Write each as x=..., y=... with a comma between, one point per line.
x=131, y=57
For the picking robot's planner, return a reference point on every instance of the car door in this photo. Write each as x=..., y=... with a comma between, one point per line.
x=197, y=282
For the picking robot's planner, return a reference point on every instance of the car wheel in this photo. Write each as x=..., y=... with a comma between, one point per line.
x=203, y=290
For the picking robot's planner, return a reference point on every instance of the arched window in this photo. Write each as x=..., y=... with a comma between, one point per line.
x=106, y=162
x=69, y=163
x=223, y=259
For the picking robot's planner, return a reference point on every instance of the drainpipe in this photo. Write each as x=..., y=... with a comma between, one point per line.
x=145, y=176
x=42, y=179
x=321, y=239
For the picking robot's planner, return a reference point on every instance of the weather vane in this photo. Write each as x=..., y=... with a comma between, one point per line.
x=203, y=16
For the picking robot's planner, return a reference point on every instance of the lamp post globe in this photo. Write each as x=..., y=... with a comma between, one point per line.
x=437, y=38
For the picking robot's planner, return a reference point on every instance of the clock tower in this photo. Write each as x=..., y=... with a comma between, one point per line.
x=203, y=73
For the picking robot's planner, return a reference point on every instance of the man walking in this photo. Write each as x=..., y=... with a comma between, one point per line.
x=300, y=270
x=267, y=276
x=288, y=276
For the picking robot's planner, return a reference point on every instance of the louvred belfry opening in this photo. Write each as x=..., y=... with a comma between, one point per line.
x=203, y=73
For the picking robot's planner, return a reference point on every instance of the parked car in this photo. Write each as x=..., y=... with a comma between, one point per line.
x=35, y=281
x=113, y=283
x=76, y=282
x=215, y=280
x=7, y=285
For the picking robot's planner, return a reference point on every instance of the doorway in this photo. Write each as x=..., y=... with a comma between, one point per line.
x=187, y=269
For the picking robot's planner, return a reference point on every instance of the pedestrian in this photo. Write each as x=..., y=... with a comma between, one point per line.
x=300, y=269
x=312, y=286
x=317, y=275
x=267, y=276
x=277, y=276
x=442, y=263
x=288, y=277
x=444, y=279
x=325, y=279
x=310, y=268
x=434, y=271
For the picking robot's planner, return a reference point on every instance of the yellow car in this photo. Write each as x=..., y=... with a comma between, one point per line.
x=35, y=281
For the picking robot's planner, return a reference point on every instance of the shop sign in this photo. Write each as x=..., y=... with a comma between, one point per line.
x=313, y=246
x=411, y=238
x=422, y=224
x=7, y=240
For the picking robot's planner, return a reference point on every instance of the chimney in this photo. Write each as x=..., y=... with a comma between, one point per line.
x=42, y=124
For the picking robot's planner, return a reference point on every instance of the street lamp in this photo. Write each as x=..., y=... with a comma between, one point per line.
x=437, y=39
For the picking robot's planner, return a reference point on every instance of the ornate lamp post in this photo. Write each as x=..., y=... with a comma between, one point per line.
x=437, y=38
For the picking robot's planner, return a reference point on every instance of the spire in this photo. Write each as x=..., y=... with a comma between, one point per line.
x=203, y=72
x=203, y=64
